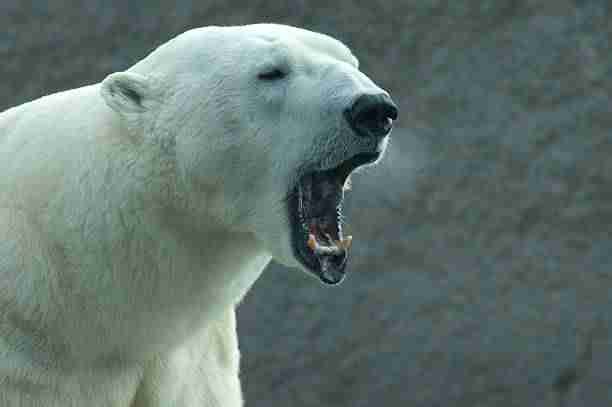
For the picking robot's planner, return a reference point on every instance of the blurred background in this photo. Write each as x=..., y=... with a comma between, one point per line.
x=482, y=260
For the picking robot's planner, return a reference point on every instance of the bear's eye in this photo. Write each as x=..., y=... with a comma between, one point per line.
x=272, y=74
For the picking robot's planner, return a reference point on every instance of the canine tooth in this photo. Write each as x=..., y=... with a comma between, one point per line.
x=346, y=242
x=312, y=242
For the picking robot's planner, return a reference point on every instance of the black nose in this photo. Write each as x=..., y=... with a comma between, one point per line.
x=372, y=115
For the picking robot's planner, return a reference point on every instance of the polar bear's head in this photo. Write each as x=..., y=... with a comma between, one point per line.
x=265, y=124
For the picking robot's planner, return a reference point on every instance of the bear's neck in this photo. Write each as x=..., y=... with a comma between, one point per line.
x=137, y=267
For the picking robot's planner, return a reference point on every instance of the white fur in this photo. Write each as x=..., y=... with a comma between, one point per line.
x=136, y=213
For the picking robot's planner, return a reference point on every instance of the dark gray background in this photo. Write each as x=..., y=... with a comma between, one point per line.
x=482, y=262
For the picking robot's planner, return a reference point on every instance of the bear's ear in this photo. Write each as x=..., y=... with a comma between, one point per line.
x=127, y=92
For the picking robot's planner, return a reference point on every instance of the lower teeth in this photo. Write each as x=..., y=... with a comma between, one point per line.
x=337, y=247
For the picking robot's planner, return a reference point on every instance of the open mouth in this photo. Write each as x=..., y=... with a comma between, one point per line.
x=315, y=212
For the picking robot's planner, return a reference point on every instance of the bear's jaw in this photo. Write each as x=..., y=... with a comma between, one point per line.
x=315, y=213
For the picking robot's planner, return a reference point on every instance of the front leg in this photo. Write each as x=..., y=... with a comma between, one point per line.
x=201, y=373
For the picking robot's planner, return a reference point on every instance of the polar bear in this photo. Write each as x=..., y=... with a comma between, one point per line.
x=135, y=213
